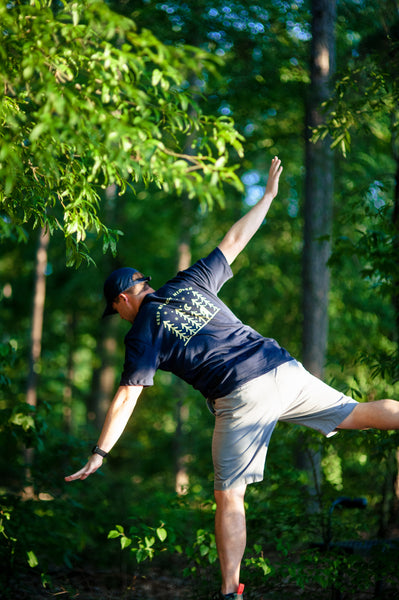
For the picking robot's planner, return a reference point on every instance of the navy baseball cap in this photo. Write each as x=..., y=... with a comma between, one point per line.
x=119, y=281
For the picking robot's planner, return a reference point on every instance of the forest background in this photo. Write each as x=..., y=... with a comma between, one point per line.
x=135, y=133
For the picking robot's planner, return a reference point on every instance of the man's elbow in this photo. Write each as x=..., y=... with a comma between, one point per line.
x=129, y=393
x=229, y=251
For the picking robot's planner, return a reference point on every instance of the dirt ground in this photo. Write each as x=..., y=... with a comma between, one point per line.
x=90, y=584
x=108, y=585
x=100, y=585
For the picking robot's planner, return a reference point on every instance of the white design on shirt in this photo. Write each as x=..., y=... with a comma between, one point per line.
x=185, y=313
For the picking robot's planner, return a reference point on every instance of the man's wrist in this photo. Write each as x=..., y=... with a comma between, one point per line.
x=97, y=450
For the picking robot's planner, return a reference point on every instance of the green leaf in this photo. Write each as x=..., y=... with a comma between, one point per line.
x=149, y=541
x=162, y=533
x=113, y=534
x=125, y=542
x=32, y=559
x=156, y=77
x=25, y=421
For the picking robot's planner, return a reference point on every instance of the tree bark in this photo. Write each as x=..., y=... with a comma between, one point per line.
x=318, y=192
x=182, y=411
x=103, y=380
x=36, y=346
x=104, y=374
x=70, y=371
x=317, y=220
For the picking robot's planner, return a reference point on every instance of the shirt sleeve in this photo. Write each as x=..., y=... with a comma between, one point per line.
x=141, y=362
x=210, y=272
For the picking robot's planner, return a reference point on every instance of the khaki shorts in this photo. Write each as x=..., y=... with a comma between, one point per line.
x=245, y=419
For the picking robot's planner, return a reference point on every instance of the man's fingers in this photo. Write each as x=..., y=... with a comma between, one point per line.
x=276, y=167
x=73, y=477
x=82, y=474
x=277, y=161
x=90, y=467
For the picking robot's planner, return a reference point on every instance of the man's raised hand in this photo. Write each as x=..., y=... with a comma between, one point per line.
x=274, y=176
x=242, y=231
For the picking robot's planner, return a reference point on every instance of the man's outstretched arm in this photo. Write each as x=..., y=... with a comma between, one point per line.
x=115, y=422
x=242, y=231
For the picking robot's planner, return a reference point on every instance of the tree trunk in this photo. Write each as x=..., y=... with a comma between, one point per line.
x=70, y=371
x=182, y=410
x=103, y=379
x=317, y=219
x=36, y=345
x=318, y=193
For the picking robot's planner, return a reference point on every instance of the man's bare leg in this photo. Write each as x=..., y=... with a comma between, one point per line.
x=378, y=414
x=230, y=529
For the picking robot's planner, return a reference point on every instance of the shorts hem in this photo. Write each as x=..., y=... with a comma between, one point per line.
x=347, y=409
x=221, y=487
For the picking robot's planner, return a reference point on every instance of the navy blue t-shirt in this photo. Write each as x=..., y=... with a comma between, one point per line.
x=185, y=328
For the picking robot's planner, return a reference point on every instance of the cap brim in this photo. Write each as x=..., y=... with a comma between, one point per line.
x=108, y=312
x=109, y=309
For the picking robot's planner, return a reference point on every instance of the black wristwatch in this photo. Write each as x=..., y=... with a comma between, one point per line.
x=97, y=450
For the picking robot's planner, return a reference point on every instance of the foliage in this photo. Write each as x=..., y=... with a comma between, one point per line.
x=366, y=93
x=18, y=423
x=372, y=248
x=88, y=101
x=143, y=547
x=258, y=561
x=202, y=552
x=344, y=573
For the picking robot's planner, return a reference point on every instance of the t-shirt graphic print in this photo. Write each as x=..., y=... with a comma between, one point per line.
x=185, y=313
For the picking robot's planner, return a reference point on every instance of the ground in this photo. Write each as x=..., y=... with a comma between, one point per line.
x=79, y=584
x=98, y=585
x=164, y=580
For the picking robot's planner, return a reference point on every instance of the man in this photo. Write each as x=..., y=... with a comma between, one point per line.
x=249, y=381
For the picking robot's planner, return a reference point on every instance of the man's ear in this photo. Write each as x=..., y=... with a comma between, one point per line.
x=123, y=297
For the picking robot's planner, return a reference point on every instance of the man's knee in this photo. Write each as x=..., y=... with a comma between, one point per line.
x=230, y=496
x=379, y=414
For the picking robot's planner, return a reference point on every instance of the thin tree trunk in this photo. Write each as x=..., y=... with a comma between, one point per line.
x=103, y=379
x=70, y=371
x=182, y=410
x=318, y=193
x=318, y=219
x=36, y=345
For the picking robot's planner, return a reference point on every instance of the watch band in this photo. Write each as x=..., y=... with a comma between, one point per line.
x=97, y=450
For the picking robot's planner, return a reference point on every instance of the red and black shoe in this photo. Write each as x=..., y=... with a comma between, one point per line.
x=238, y=595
